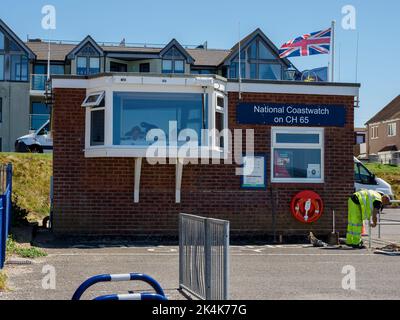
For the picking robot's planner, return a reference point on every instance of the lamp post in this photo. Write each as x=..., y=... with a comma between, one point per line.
x=290, y=73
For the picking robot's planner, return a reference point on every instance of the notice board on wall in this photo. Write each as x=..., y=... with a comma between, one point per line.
x=257, y=166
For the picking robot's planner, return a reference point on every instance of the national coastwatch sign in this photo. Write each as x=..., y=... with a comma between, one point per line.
x=280, y=114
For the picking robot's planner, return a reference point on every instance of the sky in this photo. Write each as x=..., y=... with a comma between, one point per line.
x=194, y=22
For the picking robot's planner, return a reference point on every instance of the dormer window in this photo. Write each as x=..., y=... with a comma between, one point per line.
x=87, y=56
x=257, y=60
x=87, y=61
x=173, y=61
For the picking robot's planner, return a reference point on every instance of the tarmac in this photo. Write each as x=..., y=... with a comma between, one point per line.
x=264, y=272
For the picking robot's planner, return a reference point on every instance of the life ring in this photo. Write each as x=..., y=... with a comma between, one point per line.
x=307, y=207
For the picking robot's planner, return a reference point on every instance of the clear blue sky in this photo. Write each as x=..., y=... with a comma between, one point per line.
x=193, y=22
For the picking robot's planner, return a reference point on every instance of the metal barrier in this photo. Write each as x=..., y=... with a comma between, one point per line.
x=204, y=257
x=382, y=222
x=5, y=208
x=387, y=222
x=160, y=295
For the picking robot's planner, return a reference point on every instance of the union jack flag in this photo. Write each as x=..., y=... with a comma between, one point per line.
x=307, y=45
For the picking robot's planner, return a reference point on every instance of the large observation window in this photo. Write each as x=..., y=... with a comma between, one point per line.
x=257, y=62
x=14, y=62
x=135, y=114
x=298, y=155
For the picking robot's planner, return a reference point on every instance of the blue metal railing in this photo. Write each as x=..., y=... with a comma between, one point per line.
x=160, y=295
x=5, y=209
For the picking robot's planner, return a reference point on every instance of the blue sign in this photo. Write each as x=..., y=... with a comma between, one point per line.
x=279, y=114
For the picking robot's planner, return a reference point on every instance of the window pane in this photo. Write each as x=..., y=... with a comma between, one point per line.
x=264, y=53
x=97, y=128
x=12, y=46
x=297, y=163
x=297, y=138
x=253, y=71
x=252, y=51
x=94, y=65
x=135, y=114
x=219, y=125
x=40, y=113
x=144, y=67
x=40, y=108
x=234, y=71
x=57, y=69
x=44, y=130
x=24, y=68
x=40, y=69
x=361, y=174
x=1, y=67
x=173, y=53
x=220, y=102
x=270, y=71
x=167, y=66
x=179, y=66
x=1, y=41
x=118, y=67
x=81, y=68
x=15, y=67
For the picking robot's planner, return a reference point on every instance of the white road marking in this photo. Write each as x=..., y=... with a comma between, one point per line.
x=232, y=254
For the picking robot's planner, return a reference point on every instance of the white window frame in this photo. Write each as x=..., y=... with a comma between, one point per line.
x=96, y=109
x=150, y=85
x=95, y=103
x=93, y=107
x=374, y=132
x=392, y=129
x=311, y=146
x=224, y=111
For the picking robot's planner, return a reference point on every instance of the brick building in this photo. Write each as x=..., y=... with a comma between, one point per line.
x=383, y=137
x=104, y=185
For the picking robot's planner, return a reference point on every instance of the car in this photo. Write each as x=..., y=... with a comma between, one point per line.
x=365, y=179
x=40, y=141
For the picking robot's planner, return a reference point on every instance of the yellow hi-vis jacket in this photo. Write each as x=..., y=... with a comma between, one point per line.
x=359, y=213
x=367, y=199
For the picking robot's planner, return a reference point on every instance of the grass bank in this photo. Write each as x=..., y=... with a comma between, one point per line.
x=31, y=183
x=390, y=174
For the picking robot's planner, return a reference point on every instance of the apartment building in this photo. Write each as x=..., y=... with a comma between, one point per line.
x=16, y=59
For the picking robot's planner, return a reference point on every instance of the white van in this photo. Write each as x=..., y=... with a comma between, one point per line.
x=364, y=179
x=40, y=141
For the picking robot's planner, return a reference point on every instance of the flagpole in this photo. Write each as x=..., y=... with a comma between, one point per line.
x=333, y=51
x=240, y=67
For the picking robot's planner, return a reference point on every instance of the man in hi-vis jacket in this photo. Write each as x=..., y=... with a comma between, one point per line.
x=363, y=205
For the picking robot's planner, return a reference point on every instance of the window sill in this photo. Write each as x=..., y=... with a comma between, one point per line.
x=298, y=181
x=142, y=152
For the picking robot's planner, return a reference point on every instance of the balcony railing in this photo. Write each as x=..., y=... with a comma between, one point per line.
x=38, y=82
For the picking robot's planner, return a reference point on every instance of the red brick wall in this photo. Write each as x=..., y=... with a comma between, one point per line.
x=95, y=196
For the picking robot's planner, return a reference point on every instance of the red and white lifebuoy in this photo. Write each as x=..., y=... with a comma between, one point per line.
x=307, y=207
